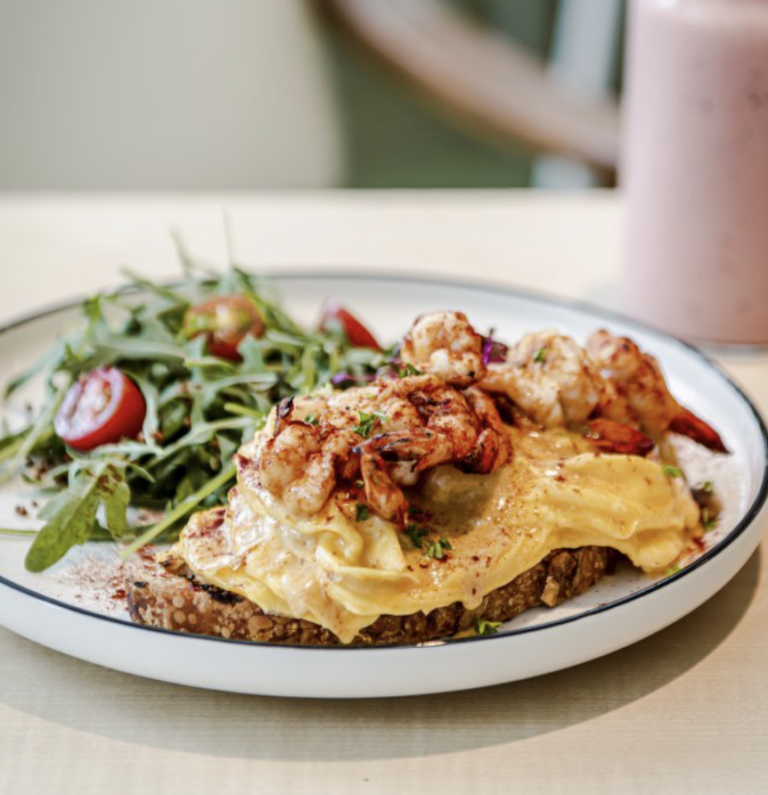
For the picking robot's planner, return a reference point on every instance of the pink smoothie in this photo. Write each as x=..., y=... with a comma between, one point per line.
x=695, y=168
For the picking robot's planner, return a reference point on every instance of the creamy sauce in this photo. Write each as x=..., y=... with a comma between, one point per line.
x=343, y=574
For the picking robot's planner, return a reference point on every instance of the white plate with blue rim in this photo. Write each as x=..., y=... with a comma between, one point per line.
x=78, y=607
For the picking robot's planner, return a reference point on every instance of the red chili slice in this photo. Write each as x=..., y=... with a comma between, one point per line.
x=225, y=322
x=101, y=407
x=335, y=316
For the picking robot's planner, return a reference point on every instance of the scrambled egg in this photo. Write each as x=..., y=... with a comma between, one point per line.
x=343, y=573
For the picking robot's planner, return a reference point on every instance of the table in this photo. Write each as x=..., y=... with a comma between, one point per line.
x=686, y=709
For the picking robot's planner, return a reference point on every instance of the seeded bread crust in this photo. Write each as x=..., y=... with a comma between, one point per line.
x=170, y=597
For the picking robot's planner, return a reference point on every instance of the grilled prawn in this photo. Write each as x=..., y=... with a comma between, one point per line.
x=611, y=390
x=385, y=434
x=638, y=380
x=446, y=345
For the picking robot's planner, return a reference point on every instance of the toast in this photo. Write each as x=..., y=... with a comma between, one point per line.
x=170, y=597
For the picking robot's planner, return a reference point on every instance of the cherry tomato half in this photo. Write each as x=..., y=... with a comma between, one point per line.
x=335, y=316
x=225, y=322
x=101, y=407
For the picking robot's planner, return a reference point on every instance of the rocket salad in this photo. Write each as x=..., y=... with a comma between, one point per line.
x=146, y=402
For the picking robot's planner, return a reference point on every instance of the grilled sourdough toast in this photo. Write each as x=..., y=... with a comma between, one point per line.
x=171, y=597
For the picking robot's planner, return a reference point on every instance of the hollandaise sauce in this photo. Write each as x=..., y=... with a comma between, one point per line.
x=470, y=534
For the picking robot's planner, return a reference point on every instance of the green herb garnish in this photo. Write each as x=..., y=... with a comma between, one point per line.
x=708, y=521
x=483, y=627
x=417, y=534
x=540, y=356
x=409, y=369
x=367, y=423
x=672, y=471
x=671, y=570
x=438, y=548
x=312, y=419
x=361, y=512
x=707, y=487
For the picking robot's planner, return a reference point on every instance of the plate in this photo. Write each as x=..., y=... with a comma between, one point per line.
x=76, y=607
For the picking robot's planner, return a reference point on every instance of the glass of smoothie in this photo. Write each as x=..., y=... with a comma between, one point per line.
x=695, y=168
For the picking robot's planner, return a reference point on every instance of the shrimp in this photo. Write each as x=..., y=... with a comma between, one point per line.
x=294, y=467
x=446, y=345
x=554, y=382
x=460, y=428
x=300, y=466
x=385, y=434
x=492, y=448
x=610, y=436
x=549, y=377
x=639, y=381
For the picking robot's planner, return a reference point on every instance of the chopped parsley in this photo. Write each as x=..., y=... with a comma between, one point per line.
x=409, y=369
x=437, y=548
x=483, y=627
x=708, y=521
x=416, y=534
x=312, y=419
x=672, y=472
x=707, y=487
x=671, y=570
x=367, y=423
x=359, y=484
x=414, y=510
x=361, y=512
x=540, y=356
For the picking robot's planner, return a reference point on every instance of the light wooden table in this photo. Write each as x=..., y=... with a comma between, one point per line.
x=683, y=711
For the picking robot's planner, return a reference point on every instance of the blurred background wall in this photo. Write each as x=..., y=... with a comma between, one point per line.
x=250, y=94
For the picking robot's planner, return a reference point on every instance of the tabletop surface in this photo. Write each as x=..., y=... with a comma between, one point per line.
x=686, y=709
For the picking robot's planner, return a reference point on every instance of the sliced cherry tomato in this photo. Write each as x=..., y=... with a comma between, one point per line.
x=101, y=407
x=335, y=316
x=225, y=322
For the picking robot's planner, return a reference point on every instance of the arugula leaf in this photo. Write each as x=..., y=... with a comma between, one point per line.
x=11, y=443
x=116, y=496
x=45, y=362
x=71, y=516
x=252, y=353
x=202, y=433
x=42, y=429
x=74, y=514
x=9, y=531
x=199, y=408
x=224, y=479
x=170, y=295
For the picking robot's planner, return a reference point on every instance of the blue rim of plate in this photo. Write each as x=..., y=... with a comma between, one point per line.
x=486, y=287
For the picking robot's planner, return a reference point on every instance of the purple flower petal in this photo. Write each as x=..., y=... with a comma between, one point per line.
x=348, y=378
x=493, y=351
